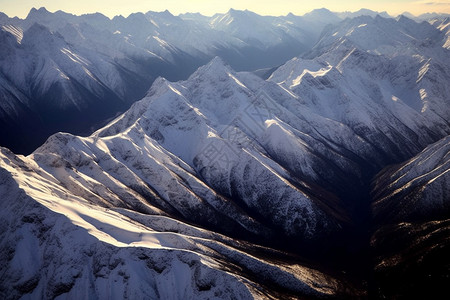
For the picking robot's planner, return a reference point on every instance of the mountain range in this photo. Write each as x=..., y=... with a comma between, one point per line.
x=62, y=72
x=328, y=178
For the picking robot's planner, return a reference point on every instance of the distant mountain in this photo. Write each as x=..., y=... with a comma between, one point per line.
x=396, y=72
x=320, y=18
x=80, y=71
x=429, y=16
x=363, y=12
x=49, y=84
x=444, y=26
x=425, y=17
x=321, y=15
x=369, y=34
x=408, y=15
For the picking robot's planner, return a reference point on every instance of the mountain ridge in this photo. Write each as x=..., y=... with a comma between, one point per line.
x=108, y=52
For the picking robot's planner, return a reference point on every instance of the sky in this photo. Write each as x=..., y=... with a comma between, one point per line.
x=112, y=8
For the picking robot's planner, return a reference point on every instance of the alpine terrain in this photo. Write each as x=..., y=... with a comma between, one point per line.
x=328, y=178
x=61, y=72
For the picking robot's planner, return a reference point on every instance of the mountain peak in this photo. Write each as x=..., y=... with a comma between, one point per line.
x=365, y=10
x=216, y=67
x=38, y=12
x=3, y=16
x=235, y=12
x=165, y=16
x=218, y=63
x=167, y=12
x=320, y=11
x=322, y=14
x=188, y=14
x=194, y=16
x=404, y=19
x=408, y=14
x=137, y=16
x=96, y=15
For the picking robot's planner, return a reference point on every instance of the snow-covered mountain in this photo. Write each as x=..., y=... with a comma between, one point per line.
x=191, y=123
x=417, y=189
x=50, y=83
x=227, y=185
x=411, y=211
x=57, y=242
x=385, y=36
x=252, y=28
x=141, y=174
x=387, y=88
x=57, y=67
x=362, y=12
x=431, y=16
x=100, y=56
x=444, y=26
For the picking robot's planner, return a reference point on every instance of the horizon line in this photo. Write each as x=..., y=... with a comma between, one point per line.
x=208, y=15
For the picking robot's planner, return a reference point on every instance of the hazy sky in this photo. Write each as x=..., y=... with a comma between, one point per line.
x=111, y=8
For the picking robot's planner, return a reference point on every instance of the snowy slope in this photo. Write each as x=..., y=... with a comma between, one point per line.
x=68, y=247
x=416, y=189
x=387, y=88
x=384, y=82
x=378, y=35
x=151, y=152
x=218, y=151
x=444, y=26
x=248, y=27
x=411, y=207
x=140, y=175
